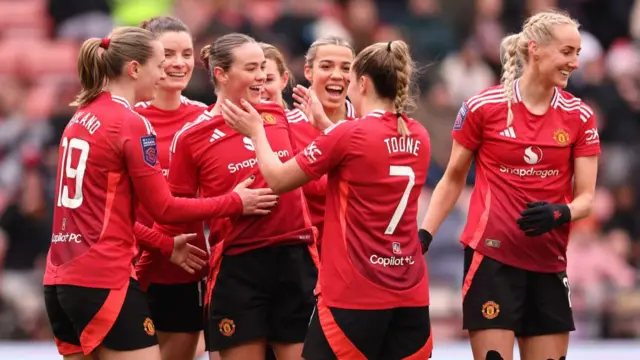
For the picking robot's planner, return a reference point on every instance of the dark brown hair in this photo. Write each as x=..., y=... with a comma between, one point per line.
x=272, y=53
x=219, y=54
x=97, y=65
x=390, y=67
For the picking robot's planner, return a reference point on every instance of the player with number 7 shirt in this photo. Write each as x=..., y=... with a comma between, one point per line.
x=373, y=296
x=108, y=162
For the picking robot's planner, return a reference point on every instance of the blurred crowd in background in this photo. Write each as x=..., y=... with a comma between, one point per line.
x=456, y=42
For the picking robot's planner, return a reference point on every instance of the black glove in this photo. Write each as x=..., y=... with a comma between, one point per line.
x=425, y=239
x=541, y=217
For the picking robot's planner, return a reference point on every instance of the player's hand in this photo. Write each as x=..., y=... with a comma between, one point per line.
x=307, y=101
x=245, y=120
x=541, y=217
x=188, y=257
x=425, y=238
x=256, y=201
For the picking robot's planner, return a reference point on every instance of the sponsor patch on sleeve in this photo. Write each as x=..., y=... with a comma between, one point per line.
x=462, y=115
x=149, y=150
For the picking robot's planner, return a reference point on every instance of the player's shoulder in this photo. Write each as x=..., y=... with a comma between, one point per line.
x=270, y=107
x=486, y=100
x=130, y=118
x=296, y=116
x=205, y=118
x=142, y=105
x=192, y=103
x=569, y=104
x=417, y=128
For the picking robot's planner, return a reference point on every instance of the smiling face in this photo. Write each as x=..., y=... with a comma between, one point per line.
x=557, y=59
x=329, y=74
x=150, y=74
x=274, y=83
x=179, y=60
x=245, y=78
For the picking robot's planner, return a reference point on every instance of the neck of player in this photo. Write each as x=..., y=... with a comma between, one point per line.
x=336, y=114
x=125, y=91
x=534, y=92
x=369, y=105
x=167, y=100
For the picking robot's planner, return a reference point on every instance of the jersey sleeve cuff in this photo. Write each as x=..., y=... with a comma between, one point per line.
x=305, y=167
x=587, y=153
x=166, y=246
x=236, y=203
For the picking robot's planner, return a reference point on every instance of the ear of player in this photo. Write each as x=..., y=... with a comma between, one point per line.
x=425, y=239
x=541, y=217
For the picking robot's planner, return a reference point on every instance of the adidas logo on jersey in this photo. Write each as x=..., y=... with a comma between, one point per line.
x=508, y=132
x=217, y=135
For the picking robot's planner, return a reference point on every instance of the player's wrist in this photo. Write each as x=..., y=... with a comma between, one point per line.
x=566, y=213
x=237, y=203
x=167, y=246
x=425, y=239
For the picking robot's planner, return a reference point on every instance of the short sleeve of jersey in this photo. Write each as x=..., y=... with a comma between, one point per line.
x=467, y=129
x=139, y=146
x=183, y=173
x=327, y=150
x=588, y=141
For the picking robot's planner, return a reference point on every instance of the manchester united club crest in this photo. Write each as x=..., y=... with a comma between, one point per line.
x=561, y=137
x=268, y=118
x=490, y=310
x=149, y=328
x=227, y=327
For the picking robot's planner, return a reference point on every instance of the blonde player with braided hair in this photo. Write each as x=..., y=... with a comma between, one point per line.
x=536, y=150
x=373, y=293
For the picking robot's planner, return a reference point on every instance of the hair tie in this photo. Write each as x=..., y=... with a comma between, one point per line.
x=389, y=46
x=399, y=115
x=104, y=43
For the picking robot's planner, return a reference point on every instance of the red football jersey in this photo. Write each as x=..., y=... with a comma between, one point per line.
x=302, y=134
x=106, y=151
x=166, y=124
x=372, y=258
x=155, y=267
x=210, y=157
x=530, y=160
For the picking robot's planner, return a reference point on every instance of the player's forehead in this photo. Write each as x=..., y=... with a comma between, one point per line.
x=566, y=35
x=248, y=54
x=334, y=55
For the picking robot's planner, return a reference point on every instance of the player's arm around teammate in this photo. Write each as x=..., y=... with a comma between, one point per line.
x=94, y=303
x=263, y=271
x=536, y=150
x=365, y=309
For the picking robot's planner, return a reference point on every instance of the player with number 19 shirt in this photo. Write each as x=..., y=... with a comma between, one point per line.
x=107, y=152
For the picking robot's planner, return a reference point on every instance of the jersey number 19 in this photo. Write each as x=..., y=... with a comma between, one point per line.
x=68, y=171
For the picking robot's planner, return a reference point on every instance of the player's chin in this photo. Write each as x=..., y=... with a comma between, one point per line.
x=253, y=98
x=174, y=84
x=561, y=81
x=331, y=102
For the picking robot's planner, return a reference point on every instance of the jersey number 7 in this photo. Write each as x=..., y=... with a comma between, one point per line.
x=402, y=206
x=68, y=171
